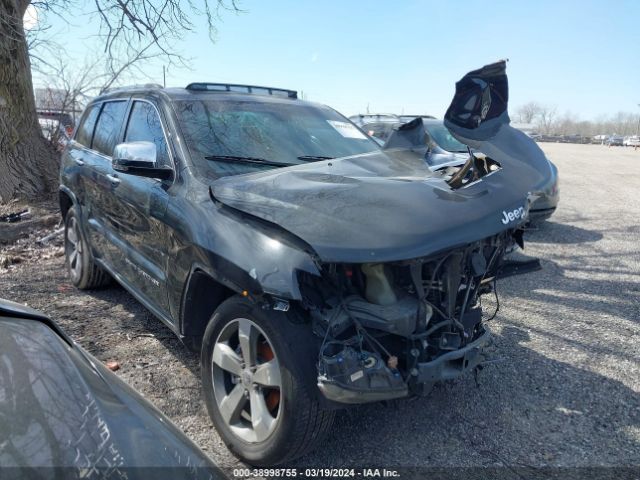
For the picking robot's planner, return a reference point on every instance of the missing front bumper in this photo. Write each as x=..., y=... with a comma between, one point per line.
x=453, y=364
x=447, y=366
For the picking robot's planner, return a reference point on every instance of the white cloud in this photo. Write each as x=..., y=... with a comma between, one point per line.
x=314, y=57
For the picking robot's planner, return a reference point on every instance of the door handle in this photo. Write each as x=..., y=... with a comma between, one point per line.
x=113, y=179
x=78, y=161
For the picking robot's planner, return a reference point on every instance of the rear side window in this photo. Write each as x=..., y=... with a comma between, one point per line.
x=144, y=125
x=85, y=130
x=108, y=127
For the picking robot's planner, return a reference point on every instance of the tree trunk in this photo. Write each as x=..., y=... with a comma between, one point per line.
x=28, y=163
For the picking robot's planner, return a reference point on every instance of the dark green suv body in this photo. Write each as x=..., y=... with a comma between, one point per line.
x=310, y=267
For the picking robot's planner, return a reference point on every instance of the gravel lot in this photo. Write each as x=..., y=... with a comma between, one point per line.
x=566, y=394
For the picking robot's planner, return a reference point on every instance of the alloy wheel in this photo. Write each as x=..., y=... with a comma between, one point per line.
x=247, y=381
x=74, y=249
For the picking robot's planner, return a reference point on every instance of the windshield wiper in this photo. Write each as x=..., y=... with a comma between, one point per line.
x=314, y=157
x=239, y=159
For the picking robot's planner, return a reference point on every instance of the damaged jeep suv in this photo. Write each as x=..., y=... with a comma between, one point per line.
x=309, y=267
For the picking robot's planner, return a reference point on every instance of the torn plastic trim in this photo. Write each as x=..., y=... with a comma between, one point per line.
x=510, y=268
x=343, y=394
x=454, y=364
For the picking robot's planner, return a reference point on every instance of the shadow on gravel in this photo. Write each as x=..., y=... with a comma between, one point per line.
x=527, y=411
x=596, y=291
x=551, y=232
x=141, y=322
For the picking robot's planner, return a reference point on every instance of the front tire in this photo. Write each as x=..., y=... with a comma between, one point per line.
x=83, y=271
x=258, y=375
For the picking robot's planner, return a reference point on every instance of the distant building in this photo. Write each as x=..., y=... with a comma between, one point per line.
x=54, y=101
x=51, y=99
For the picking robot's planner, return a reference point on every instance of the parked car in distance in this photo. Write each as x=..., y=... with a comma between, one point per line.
x=632, y=141
x=407, y=118
x=311, y=269
x=379, y=126
x=614, y=141
x=379, y=131
x=574, y=138
x=64, y=415
x=57, y=127
x=549, y=138
x=365, y=118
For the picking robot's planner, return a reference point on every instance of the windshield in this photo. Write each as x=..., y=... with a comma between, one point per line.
x=441, y=135
x=230, y=137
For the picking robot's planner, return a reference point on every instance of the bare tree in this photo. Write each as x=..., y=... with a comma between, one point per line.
x=566, y=124
x=27, y=163
x=621, y=123
x=25, y=156
x=528, y=112
x=73, y=85
x=546, y=118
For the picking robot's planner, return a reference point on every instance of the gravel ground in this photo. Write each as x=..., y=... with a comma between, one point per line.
x=567, y=392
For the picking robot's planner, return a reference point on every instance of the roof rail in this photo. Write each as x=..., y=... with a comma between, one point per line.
x=231, y=87
x=131, y=87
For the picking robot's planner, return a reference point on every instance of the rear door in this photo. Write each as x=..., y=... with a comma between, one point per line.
x=138, y=211
x=74, y=174
x=102, y=183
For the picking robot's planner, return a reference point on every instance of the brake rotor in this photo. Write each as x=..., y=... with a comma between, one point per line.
x=272, y=398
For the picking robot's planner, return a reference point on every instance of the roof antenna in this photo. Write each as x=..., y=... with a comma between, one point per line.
x=164, y=78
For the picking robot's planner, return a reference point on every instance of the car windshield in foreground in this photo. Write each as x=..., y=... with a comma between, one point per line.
x=444, y=139
x=230, y=137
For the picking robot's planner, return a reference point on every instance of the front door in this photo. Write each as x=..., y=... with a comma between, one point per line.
x=139, y=210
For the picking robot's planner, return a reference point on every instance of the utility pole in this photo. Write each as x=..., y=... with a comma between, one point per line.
x=164, y=77
x=638, y=127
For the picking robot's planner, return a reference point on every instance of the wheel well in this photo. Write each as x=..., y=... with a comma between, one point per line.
x=65, y=203
x=203, y=296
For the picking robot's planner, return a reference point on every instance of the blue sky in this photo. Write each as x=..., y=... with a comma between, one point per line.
x=405, y=56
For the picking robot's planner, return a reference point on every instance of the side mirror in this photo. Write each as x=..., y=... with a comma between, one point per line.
x=139, y=158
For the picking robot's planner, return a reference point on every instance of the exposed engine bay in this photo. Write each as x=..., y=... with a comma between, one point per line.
x=411, y=137
x=390, y=330
x=477, y=166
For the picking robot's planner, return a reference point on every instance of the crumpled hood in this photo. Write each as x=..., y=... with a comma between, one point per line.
x=383, y=206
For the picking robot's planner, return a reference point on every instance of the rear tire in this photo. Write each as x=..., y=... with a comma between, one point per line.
x=294, y=419
x=83, y=271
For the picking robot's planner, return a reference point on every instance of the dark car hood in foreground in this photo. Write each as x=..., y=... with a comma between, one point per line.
x=389, y=205
x=63, y=415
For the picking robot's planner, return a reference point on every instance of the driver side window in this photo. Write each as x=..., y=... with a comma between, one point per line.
x=144, y=125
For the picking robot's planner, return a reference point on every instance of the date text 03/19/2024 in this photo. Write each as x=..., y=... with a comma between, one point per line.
x=315, y=473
